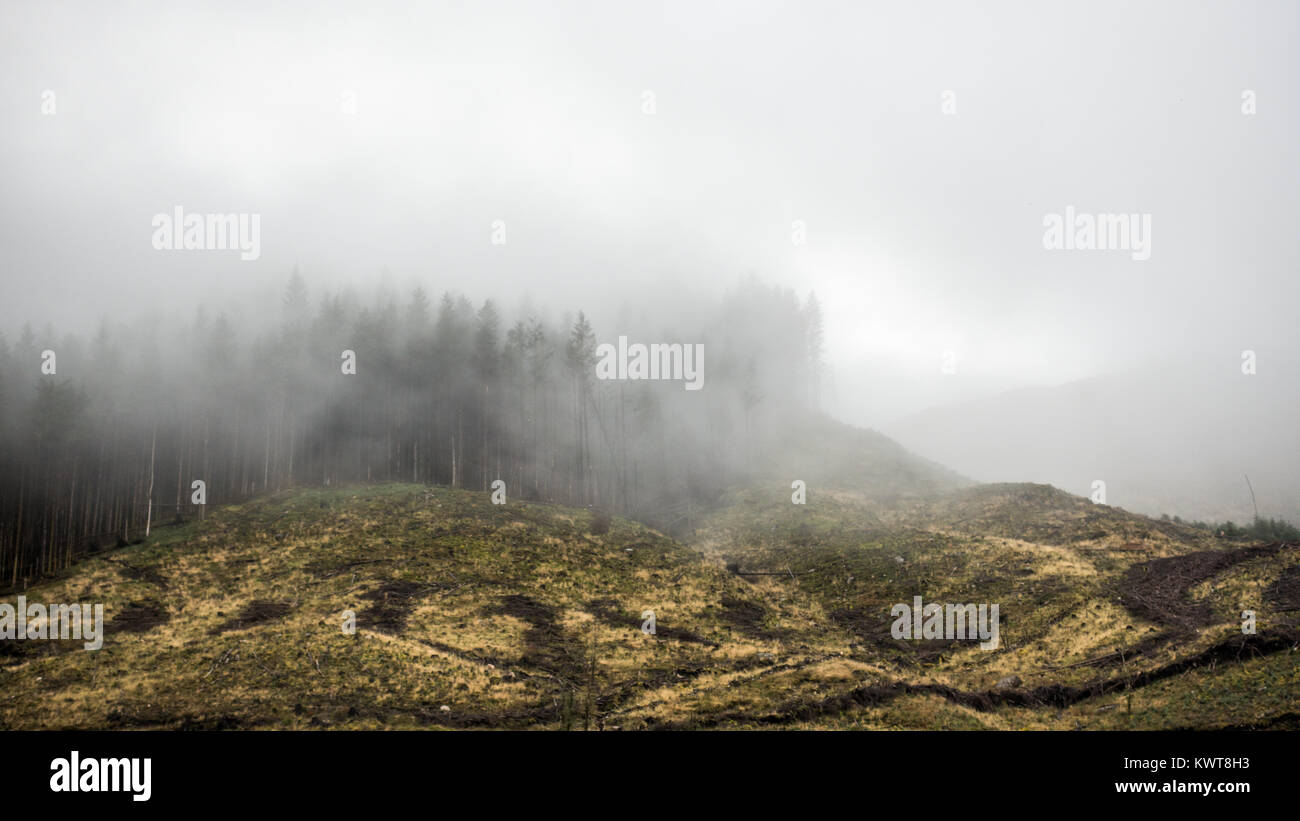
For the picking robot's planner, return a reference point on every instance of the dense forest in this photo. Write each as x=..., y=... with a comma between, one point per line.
x=104, y=436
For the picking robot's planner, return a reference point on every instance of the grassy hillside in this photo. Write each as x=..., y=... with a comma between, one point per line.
x=507, y=616
x=1108, y=619
x=821, y=451
x=470, y=614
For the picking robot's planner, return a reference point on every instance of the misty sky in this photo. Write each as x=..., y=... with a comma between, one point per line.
x=924, y=229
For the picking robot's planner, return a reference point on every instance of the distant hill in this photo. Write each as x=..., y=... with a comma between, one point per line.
x=820, y=450
x=1175, y=440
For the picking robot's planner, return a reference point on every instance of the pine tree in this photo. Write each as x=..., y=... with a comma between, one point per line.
x=814, y=345
x=580, y=354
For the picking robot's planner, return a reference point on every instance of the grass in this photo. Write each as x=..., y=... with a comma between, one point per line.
x=524, y=615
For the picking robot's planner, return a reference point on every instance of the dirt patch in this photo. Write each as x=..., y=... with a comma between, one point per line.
x=15, y=651
x=608, y=612
x=391, y=605
x=255, y=612
x=546, y=645
x=148, y=575
x=748, y=617
x=1284, y=593
x=1157, y=590
x=866, y=624
x=138, y=617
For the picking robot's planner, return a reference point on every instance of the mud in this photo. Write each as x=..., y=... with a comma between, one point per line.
x=1236, y=649
x=1157, y=590
x=748, y=617
x=254, y=613
x=546, y=645
x=866, y=624
x=391, y=606
x=608, y=612
x=148, y=575
x=1284, y=592
x=137, y=617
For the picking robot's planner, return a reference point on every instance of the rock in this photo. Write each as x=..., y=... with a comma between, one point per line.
x=1007, y=683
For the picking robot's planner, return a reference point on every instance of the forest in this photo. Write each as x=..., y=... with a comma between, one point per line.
x=105, y=435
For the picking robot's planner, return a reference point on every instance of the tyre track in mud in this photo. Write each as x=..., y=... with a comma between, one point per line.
x=1232, y=650
x=1156, y=590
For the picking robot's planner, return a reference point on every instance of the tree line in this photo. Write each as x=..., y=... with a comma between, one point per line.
x=103, y=435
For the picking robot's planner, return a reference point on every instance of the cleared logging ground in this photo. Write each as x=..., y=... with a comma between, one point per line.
x=526, y=615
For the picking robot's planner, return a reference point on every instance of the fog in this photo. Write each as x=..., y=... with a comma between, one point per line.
x=640, y=162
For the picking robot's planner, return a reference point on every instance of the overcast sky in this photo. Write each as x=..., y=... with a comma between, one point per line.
x=924, y=228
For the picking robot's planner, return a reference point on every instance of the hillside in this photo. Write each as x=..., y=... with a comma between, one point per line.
x=1176, y=439
x=470, y=614
x=1097, y=604
x=508, y=616
x=822, y=451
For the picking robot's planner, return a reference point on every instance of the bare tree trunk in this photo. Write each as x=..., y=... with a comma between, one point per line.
x=153, y=450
